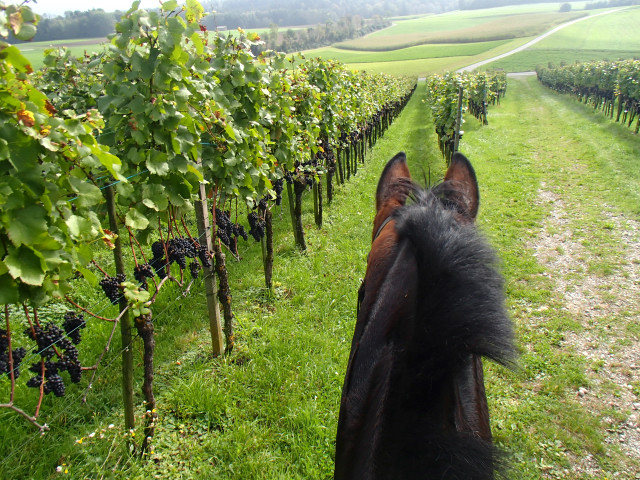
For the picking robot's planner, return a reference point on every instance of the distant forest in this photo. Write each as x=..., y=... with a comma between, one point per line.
x=359, y=16
x=263, y=13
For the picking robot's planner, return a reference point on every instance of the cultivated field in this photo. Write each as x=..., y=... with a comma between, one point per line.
x=612, y=36
x=394, y=50
x=437, y=30
x=34, y=51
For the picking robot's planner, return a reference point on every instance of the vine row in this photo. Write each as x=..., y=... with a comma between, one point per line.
x=451, y=94
x=613, y=87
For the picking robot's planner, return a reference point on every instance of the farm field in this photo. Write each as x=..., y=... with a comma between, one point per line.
x=449, y=28
x=590, y=39
x=613, y=36
x=34, y=51
x=269, y=410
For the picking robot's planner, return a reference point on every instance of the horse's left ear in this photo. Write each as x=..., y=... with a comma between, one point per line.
x=393, y=184
x=463, y=186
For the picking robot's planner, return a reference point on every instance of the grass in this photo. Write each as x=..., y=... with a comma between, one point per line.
x=614, y=31
x=412, y=53
x=592, y=39
x=270, y=409
x=428, y=66
x=465, y=18
x=514, y=156
x=34, y=51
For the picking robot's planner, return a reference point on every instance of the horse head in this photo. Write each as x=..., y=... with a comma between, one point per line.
x=430, y=306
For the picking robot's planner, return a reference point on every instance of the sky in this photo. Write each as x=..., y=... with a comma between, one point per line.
x=58, y=7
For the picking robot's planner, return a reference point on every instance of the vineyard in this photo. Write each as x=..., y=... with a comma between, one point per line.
x=132, y=170
x=184, y=224
x=452, y=93
x=613, y=87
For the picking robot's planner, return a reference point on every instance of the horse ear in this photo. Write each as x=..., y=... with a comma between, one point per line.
x=463, y=189
x=394, y=173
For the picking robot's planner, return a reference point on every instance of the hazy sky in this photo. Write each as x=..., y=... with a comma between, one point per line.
x=58, y=7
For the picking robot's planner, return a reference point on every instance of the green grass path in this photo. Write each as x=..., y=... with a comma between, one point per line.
x=560, y=189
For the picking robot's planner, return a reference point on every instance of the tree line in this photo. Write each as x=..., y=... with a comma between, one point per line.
x=320, y=35
x=262, y=13
x=76, y=24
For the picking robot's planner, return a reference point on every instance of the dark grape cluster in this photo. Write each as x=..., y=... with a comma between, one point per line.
x=58, y=354
x=194, y=268
x=158, y=263
x=54, y=384
x=46, y=337
x=204, y=256
x=224, y=226
x=278, y=186
x=238, y=231
x=157, y=248
x=111, y=286
x=17, y=354
x=143, y=271
x=257, y=226
x=288, y=176
x=227, y=231
x=179, y=249
x=72, y=324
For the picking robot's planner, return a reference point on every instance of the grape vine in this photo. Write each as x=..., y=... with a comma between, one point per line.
x=601, y=84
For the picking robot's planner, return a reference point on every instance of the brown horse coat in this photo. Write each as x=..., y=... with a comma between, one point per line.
x=413, y=404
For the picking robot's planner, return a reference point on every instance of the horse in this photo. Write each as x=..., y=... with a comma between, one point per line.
x=430, y=306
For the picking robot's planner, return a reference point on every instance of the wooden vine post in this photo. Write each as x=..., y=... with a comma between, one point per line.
x=317, y=201
x=144, y=325
x=125, y=323
x=210, y=285
x=298, y=188
x=456, y=140
x=268, y=242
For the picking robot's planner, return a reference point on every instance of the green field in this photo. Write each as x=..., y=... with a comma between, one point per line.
x=395, y=50
x=484, y=28
x=34, y=51
x=411, y=53
x=608, y=37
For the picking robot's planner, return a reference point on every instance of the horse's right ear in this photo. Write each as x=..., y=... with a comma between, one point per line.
x=462, y=186
x=393, y=184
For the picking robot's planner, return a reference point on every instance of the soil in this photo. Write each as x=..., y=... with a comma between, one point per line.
x=606, y=306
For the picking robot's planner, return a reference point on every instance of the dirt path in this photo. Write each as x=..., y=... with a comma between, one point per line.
x=605, y=307
x=562, y=180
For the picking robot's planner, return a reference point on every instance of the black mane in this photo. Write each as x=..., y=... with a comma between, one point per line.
x=460, y=281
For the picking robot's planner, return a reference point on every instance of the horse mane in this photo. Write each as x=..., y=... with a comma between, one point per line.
x=460, y=281
x=459, y=315
x=432, y=304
